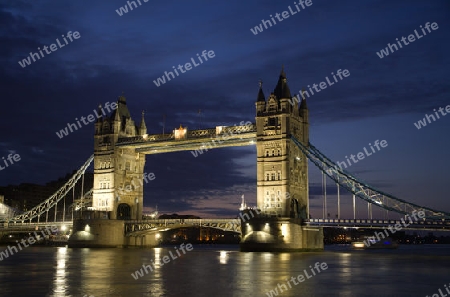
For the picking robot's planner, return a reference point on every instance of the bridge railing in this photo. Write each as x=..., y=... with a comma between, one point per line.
x=152, y=224
x=379, y=222
x=190, y=134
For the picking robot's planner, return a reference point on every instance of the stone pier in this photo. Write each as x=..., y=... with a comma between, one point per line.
x=264, y=234
x=107, y=233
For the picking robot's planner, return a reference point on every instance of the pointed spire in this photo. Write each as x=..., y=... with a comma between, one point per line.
x=303, y=104
x=122, y=99
x=261, y=97
x=143, y=120
x=117, y=114
x=99, y=114
x=143, y=127
x=282, y=73
x=282, y=89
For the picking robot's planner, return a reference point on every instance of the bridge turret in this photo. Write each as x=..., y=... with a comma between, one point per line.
x=118, y=171
x=282, y=180
x=304, y=113
x=282, y=92
x=260, y=100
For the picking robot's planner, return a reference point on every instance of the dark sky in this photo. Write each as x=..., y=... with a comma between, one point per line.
x=381, y=99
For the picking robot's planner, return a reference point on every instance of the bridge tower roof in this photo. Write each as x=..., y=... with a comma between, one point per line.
x=261, y=97
x=282, y=88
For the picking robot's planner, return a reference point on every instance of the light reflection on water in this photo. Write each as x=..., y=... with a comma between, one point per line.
x=59, y=281
x=223, y=271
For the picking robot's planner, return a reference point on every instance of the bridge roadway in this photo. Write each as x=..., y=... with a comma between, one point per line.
x=30, y=227
x=140, y=227
x=135, y=228
x=434, y=225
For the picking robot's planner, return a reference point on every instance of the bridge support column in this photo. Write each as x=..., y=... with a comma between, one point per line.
x=271, y=234
x=148, y=240
x=97, y=233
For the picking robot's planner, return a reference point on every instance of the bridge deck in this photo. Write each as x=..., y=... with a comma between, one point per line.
x=234, y=224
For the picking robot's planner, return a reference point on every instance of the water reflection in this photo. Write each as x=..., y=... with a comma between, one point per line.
x=60, y=278
x=211, y=271
x=223, y=258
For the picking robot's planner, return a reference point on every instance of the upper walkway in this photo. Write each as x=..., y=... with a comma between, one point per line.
x=183, y=139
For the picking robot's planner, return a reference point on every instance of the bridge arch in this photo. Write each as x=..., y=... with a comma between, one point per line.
x=123, y=212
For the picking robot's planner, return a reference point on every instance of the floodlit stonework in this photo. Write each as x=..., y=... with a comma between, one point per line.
x=281, y=166
x=118, y=167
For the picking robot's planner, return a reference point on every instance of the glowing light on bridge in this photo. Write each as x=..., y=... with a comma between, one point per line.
x=180, y=133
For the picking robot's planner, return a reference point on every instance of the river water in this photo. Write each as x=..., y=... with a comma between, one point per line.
x=221, y=270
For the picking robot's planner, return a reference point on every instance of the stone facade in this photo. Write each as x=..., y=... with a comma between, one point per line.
x=282, y=169
x=118, y=171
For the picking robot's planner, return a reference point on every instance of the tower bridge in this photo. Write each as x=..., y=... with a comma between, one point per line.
x=280, y=223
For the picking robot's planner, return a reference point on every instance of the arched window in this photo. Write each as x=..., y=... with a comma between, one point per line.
x=123, y=212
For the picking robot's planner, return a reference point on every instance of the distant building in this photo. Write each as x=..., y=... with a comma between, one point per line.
x=25, y=196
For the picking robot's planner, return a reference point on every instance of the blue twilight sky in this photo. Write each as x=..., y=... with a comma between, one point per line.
x=381, y=99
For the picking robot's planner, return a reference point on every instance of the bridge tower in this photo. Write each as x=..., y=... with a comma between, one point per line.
x=282, y=177
x=118, y=172
x=282, y=169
